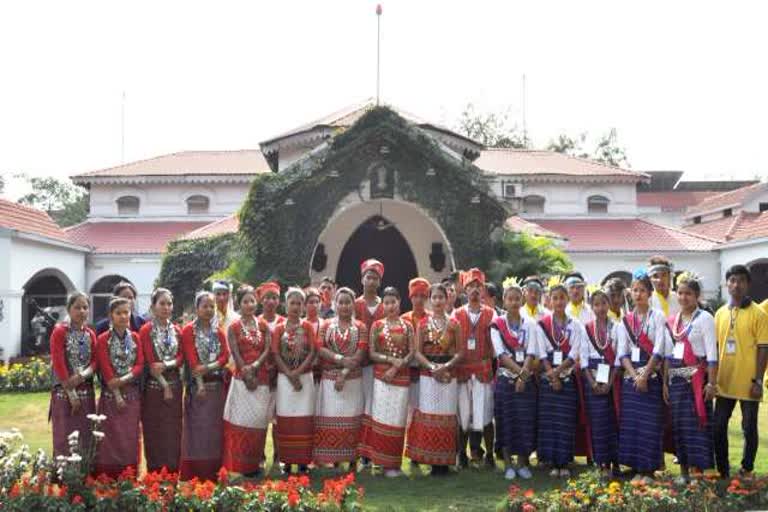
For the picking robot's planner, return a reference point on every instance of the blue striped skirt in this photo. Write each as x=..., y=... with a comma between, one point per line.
x=693, y=445
x=602, y=420
x=515, y=415
x=558, y=415
x=641, y=426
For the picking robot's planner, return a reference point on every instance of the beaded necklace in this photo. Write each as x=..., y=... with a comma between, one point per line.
x=389, y=345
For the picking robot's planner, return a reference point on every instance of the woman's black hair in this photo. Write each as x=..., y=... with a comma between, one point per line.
x=159, y=292
x=438, y=287
x=72, y=298
x=242, y=291
x=390, y=291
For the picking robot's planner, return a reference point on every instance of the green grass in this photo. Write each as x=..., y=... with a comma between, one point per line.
x=473, y=489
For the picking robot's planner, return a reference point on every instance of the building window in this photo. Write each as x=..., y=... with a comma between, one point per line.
x=727, y=212
x=509, y=190
x=763, y=207
x=597, y=204
x=128, y=205
x=697, y=219
x=533, y=204
x=197, y=205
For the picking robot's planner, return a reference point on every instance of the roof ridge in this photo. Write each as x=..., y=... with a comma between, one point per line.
x=16, y=204
x=732, y=229
x=679, y=230
x=698, y=208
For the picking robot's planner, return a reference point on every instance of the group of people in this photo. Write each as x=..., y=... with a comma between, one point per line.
x=346, y=380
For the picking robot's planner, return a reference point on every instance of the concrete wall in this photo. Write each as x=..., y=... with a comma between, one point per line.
x=141, y=270
x=570, y=199
x=24, y=259
x=596, y=266
x=158, y=201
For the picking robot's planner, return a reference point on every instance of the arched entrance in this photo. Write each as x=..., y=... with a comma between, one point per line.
x=101, y=292
x=378, y=238
x=47, y=290
x=758, y=290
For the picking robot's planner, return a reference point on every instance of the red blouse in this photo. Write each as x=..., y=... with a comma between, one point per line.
x=106, y=365
x=251, y=345
x=190, y=350
x=341, y=344
x=310, y=339
x=58, y=344
x=150, y=355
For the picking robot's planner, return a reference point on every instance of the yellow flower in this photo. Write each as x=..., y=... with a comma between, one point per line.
x=614, y=488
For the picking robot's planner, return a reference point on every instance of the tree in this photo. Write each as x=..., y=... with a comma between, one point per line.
x=573, y=146
x=490, y=129
x=609, y=152
x=2, y=183
x=66, y=203
x=521, y=255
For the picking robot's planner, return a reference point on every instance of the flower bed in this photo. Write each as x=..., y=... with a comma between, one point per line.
x=589, y=493
x=35, y=482
x=32, y=375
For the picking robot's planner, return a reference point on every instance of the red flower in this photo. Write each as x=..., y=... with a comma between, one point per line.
x=15, y=490
x=293, y=498
x=527, y=507
x=63, y=491
x=529, y=493
x=223, y=476
x=304, y=481
x=77, y=499
x=128, y=473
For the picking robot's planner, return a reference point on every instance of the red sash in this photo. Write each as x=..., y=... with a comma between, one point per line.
x=697, y=380
x=548, y=326
x=610, y=355
x=510, y=340
x=641, y=341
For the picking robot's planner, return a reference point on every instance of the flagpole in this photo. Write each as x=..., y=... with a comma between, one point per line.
x=378, y=53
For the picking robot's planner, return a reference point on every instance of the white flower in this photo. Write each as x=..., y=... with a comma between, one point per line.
x=74, y=435
x=98, y=435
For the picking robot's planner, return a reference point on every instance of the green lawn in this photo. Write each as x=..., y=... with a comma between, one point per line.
x=474, y=489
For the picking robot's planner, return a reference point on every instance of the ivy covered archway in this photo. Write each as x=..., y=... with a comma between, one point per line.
x=382, y=155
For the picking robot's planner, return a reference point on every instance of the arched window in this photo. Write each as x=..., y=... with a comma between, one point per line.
x=101, y=292
x=197, y=205
x=128, y=205
x=533, y=204
x=597, y=204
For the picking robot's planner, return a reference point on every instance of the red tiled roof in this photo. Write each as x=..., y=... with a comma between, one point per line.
x=625, y=235
x=673, y=200
x=520, y=225
x=532, y=162
x=726, y=199
x=129, y=237
x=200, y=163
x=743, y=226
x=220, y=227
x=30, y=220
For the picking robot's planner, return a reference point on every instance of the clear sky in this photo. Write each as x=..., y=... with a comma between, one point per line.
x=684, y=83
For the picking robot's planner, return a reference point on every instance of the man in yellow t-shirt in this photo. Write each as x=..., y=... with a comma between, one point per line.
x=742, y=339
x=764, y=305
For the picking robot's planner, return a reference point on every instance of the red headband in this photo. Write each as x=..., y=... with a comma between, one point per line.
x=266, y=288
x=473, y=274
x=372, y=264
x=418, y=285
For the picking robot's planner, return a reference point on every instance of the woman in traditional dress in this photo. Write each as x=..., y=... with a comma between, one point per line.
x=161, y=408
x=312, y=315
x=121, y=364
x=342, y=345
x=251, y=400
x=73, y=358
x=433, y=431
x=643, y=339
x=597, y=357
x=390, y=349
x=692, y=369
x=293, y=349
x=515, y=343
x=206, y=355
x=559, y=339
x=268, y=295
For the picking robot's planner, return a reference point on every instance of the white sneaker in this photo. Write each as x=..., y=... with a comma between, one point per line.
x=392, y=473
x=524, y=473
x=510, y=474
x=565, y=473
x=554, y=473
